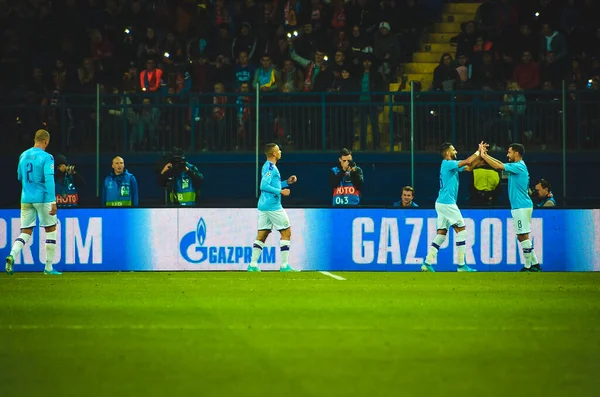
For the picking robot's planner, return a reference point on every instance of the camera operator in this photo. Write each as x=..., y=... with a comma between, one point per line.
x=180, y=178
x=67, y=181
x=346, y=181
x=543, y=195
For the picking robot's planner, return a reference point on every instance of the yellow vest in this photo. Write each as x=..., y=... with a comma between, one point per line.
x=485, y=180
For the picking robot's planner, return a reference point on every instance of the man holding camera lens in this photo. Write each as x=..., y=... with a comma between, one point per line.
x=180, y=178
x=67, y=181
x=346, y=180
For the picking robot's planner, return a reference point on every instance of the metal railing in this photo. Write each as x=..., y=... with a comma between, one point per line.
x=403, y=121
x=309, y=121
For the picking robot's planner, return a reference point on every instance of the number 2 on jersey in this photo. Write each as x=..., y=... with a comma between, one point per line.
x=29, y=168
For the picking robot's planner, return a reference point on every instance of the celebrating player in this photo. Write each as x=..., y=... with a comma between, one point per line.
x=520, y=202
x=448, y=213
x=270, y=212
x=36, y=174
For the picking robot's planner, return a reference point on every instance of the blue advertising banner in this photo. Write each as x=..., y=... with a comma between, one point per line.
x=322, y=239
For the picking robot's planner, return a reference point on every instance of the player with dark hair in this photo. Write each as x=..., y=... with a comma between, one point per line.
x=448, y=213
x=270, y=211
x=520, y=202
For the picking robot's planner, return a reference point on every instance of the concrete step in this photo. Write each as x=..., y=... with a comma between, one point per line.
x=457, y=17
x=435, y=47
x=446, y=27
x=425, y=79
x=461, y=8
x=433, y=57
x=440, y=38
x=420, y=67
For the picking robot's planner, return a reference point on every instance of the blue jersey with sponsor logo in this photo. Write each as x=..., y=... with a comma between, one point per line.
x=36, y=173
x=270, y=188
x=518, y=185
x=449, y=182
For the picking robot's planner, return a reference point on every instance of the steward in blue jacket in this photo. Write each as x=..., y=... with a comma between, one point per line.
x=120, y=187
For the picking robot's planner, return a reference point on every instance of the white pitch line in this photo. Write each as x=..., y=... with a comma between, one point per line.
x=333, y=276
x=245, y=327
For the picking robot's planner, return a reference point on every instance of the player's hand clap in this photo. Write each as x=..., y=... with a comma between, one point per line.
x=285, y=192
x=292, y=179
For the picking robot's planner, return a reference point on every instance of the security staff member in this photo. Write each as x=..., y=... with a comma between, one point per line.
x=120, y=187
x=346, y=181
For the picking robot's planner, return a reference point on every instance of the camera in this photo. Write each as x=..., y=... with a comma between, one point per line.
x=177, y=158
x=351, y=164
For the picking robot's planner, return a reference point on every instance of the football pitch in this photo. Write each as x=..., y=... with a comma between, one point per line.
x=300, y=334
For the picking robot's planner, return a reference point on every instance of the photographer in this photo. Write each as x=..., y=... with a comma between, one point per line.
x=180, y=178
x=67, y=181
x=346, y=181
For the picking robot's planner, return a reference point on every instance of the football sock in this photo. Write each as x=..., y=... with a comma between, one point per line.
x=50, y=249
x=461, y=241
x=284, y=246
x=527, y=250
x=19, y=243
x=435, y=247
x=256, y=251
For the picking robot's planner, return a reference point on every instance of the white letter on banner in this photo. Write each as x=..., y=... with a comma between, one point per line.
x=469, y=243
x=363, y=252
x=26, y=251
x=411, y=255
x=491, y=241
x=537, y=237
x=42, y=244
x=389, y=242
x=512, y=245
x=431, y=233
x=3, y=232
x=93, y=240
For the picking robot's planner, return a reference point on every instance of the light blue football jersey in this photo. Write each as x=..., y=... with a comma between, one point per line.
x=518, y=185
x=36, y=173
x=449, y=182
x=270, y=188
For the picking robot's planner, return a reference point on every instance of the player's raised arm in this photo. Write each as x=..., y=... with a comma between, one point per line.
x=494, y=163
x=471, y=158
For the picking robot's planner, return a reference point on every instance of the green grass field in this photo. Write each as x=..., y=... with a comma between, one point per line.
x=304, y=334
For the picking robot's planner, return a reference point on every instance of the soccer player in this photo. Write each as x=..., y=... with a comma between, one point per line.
x=448, y=214
x=36, y=174
x=270, y=212
x=520, y=202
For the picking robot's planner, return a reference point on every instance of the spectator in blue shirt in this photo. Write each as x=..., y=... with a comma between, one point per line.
x=408, y=194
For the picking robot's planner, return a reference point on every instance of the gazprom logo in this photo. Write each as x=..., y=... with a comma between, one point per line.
x=194, y=249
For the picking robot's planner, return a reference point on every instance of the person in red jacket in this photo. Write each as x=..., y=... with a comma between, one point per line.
x=527, y=72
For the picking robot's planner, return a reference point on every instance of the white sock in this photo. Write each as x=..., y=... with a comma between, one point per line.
x=534, y=259
x=435, y=247
x=527, y=249
x=256, y=251
x=284, y=246
x=461, y=247
x=50, y=249
x=19, y=243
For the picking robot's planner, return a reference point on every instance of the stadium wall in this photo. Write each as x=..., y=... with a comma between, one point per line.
x=323, y=239
x=230, y=178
